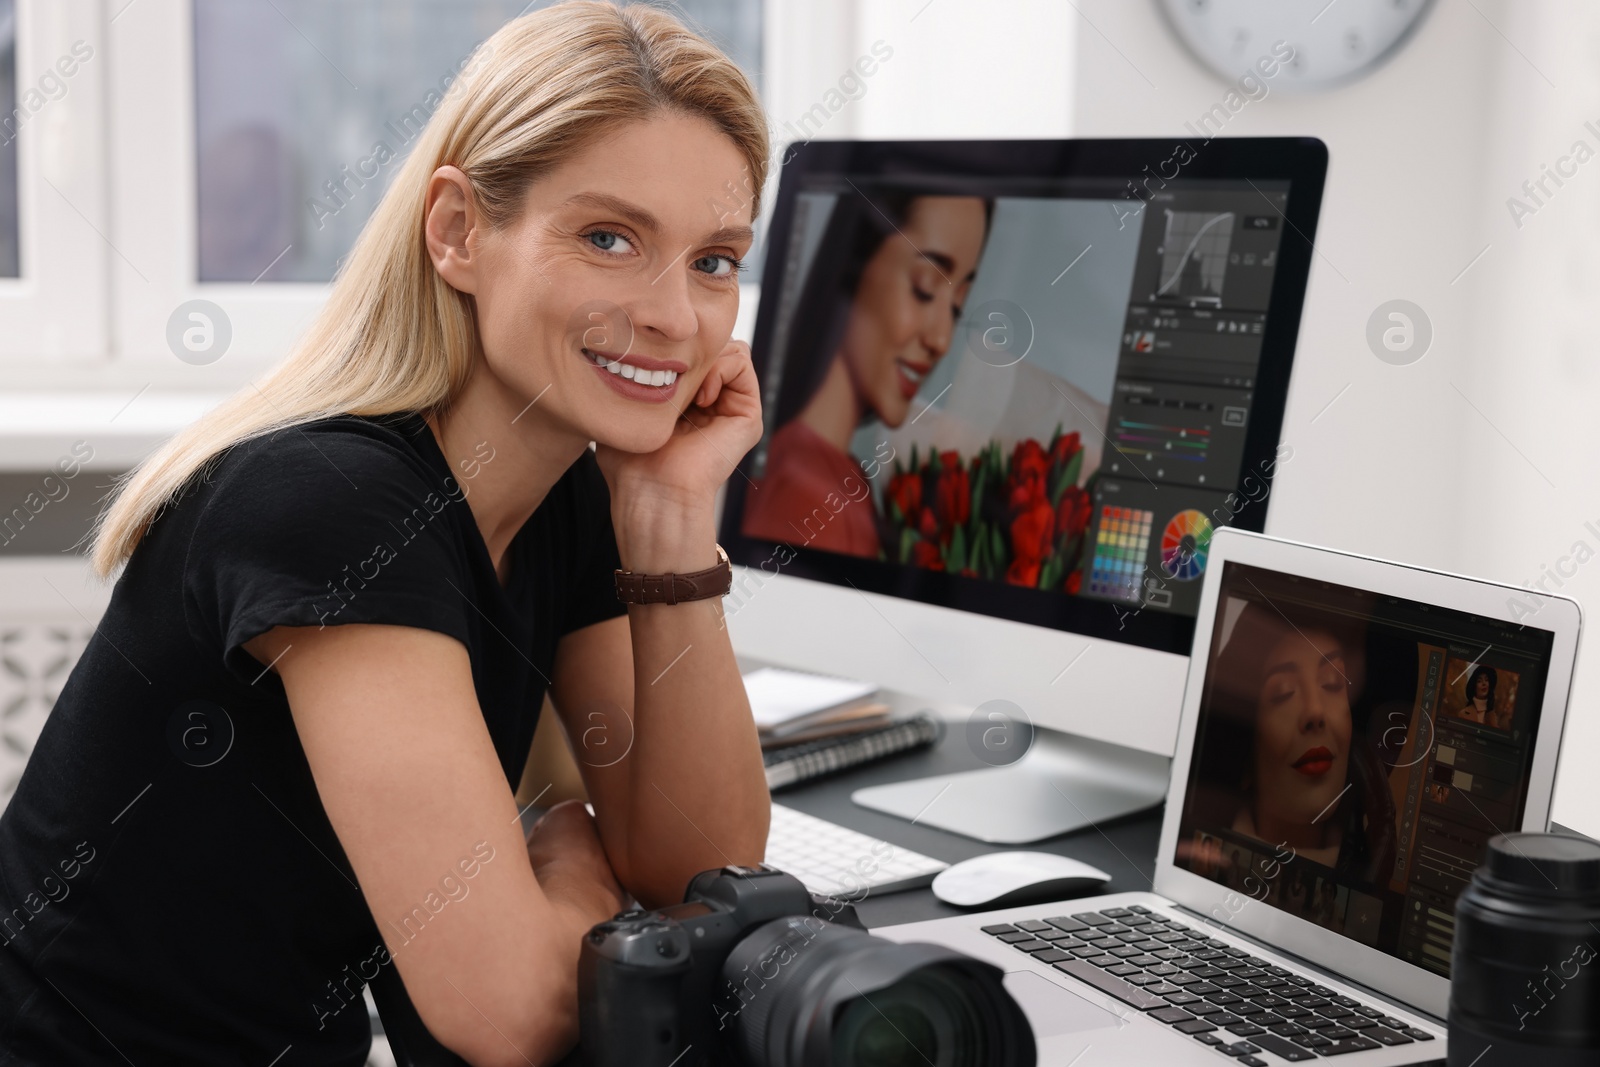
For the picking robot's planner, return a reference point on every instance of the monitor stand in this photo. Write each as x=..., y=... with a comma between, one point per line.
x=1062, y=783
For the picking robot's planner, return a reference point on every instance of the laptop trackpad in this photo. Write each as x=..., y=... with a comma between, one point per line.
x=1052, y=1009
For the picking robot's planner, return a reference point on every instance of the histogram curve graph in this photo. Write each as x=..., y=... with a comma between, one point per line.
x=1194, y=256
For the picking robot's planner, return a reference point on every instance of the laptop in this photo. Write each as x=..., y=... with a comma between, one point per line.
x=1353, y=732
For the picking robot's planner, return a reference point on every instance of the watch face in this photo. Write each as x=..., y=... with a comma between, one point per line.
x=1328, y=42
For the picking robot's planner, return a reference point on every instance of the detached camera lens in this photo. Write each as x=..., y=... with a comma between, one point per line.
x=800, y=992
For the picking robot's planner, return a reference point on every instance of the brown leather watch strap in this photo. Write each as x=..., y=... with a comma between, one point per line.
x=636, y=588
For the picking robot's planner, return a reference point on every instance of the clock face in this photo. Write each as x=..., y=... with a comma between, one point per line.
x=1333, y=41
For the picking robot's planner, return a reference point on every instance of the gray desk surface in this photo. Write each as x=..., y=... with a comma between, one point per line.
x=1125, y=849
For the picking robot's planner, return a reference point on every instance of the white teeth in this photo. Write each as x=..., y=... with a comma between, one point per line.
x=916, y=376
x=627, y=370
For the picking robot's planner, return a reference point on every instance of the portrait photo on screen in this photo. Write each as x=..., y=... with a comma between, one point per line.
x=1286, y=759
x=1479, y=693
x=1354, y=753
x=944, y=380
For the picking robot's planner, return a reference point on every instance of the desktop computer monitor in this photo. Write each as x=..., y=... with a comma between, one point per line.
x=1010, y=388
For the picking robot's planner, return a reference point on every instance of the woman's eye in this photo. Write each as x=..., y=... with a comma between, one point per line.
x=716, y=266
x=922, y=294
x=609, y=241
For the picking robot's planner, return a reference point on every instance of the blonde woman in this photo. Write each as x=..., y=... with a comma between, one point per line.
x=285, y=763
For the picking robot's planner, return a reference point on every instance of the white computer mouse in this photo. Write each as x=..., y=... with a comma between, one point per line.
x=998, y=879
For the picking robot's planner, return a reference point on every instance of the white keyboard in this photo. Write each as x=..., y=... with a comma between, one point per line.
x=833, y=860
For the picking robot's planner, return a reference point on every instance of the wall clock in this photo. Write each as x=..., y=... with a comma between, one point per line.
x=1333, y=41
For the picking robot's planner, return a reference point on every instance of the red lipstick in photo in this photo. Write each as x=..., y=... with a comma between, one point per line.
x=1314, y=761
x=911, y=376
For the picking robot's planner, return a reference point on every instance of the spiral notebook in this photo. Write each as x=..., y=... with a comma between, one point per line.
x=792, y=764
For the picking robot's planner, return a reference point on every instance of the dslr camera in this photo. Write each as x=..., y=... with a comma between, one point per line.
x=751, y=970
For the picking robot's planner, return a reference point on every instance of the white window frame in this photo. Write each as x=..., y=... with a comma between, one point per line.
x=153, y=154
x=56, y=313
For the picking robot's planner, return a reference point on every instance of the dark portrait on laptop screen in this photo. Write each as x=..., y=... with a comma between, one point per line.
x=1354, y=754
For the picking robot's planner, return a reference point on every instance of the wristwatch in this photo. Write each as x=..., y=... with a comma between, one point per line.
x=636, y=588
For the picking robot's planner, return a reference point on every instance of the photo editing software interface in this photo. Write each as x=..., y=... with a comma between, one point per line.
x=1041, y=383
x=1355, y=752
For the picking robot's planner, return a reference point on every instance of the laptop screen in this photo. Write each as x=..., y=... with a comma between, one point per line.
x=1355, y=752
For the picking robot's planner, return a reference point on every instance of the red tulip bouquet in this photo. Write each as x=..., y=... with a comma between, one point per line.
x=1022, y=518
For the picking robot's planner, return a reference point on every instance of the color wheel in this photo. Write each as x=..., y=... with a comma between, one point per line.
x=1184, y=545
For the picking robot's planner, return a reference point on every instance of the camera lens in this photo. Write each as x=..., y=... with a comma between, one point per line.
x=922, y=1019
x=801, y=992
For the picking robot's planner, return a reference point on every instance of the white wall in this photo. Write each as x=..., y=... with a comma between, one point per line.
x=1535, y=291
x=969, y=69
x=958, y=68
x=1424, y=153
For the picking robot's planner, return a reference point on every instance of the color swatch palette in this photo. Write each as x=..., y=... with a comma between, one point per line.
x=1120, y=546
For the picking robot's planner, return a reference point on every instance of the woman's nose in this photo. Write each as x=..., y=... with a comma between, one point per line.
x=1314, y=716
x=940, y=330
x=663, y=308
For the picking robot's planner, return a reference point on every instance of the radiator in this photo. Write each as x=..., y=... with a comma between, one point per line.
x=48, y=611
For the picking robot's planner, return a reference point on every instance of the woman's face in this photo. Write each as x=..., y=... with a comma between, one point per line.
x=1302, y=728
x=1480, y=688
x=910, y=294
x=625, y=256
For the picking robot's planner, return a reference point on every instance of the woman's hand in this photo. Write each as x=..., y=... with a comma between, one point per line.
x=662, y=501
x=571, y=865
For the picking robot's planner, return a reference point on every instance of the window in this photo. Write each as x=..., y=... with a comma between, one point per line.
x=306, y=109
x=243, y=139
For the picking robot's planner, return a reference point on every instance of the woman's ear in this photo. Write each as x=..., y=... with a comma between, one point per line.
x=450, y=228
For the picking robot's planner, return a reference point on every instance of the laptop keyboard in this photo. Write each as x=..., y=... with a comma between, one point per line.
x=1241, y=1005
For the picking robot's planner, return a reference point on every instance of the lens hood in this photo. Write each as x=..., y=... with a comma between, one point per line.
x=812, y=994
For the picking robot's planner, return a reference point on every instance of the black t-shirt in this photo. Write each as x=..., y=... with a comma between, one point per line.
x=171, y=890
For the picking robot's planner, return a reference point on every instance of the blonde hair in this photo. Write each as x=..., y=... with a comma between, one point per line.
x=393, y=335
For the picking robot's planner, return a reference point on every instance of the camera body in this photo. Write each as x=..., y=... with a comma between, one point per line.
x=651, y=988
x=751, y=970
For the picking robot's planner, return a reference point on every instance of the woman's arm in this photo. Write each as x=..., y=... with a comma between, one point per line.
x=681, y=788
x=391, y=727
x=691, y=792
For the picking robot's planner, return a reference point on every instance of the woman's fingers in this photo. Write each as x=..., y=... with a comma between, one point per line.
x=742, y=386
x=731, y=370
x=710, y=386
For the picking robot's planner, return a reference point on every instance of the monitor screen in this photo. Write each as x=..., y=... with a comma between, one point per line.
x=1355, y=752
x=1033, y=395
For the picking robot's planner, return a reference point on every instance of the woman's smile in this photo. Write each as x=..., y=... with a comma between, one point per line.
x=911, y=376
x=637, y=377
